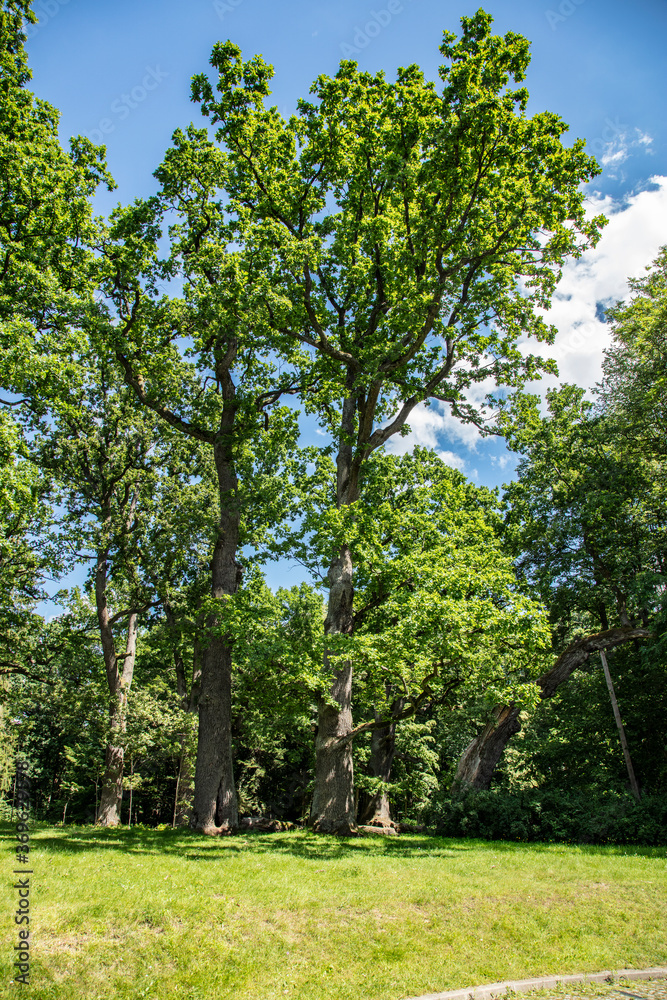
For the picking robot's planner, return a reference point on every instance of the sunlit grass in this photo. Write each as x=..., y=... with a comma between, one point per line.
x=142, y=913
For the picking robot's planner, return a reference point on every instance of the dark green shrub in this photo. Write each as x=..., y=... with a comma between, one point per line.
x=553, y=815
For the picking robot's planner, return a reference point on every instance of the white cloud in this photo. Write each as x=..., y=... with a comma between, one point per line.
x=452, y=459
x=636, y=230
x=630, y=241
x=616, y=153
x=425, y=427
x=429, y=425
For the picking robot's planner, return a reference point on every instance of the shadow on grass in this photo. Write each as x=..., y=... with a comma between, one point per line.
x=195, y=846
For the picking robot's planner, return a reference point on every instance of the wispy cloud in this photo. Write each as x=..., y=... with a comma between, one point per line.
x=621, y=147
x=452, y=459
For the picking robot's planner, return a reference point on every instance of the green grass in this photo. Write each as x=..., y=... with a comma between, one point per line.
x=161, y=914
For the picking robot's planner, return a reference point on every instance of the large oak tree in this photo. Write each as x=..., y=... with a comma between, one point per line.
x=409, y=239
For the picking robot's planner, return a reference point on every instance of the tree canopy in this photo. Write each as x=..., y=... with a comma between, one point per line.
x=386, y=247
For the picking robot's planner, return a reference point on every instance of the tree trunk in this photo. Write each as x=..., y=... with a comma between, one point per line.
x=333, y=798
x=109, y=813
x=215, y=804
x=215, y=807
x=375, y=809
x=119, y=682
x=333, y=809
x=481, y=756
x=112, y=787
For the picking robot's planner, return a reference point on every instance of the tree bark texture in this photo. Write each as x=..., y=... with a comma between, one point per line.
x=481, y=756
x=375, y=809
x=119, y=680
x=333, y=799
x=333, y=808
x=215, y=803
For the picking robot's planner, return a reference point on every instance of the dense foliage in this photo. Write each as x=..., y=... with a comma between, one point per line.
x=385, y=247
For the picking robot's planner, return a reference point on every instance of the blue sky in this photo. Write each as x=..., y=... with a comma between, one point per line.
x=120, y=73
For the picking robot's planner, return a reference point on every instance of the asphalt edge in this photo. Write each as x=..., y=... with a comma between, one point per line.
x=526, y=985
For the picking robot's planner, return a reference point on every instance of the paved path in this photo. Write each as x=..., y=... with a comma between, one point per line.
x=623, y=984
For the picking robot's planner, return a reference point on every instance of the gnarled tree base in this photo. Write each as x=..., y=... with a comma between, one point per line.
x=215, y=806
x=216, y=831
x=341, y=829
x=111, y=799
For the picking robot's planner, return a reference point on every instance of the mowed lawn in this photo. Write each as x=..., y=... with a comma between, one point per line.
x=172, y=914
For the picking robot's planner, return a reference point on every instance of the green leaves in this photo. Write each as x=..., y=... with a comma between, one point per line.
x=435, y=593
x=407, y=239
x=583, y=517
x=634, y=388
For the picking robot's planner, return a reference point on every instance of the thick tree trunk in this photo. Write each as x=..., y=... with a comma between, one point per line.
x=119, y=683
x=375, y=809
x=481, y=756
x=112, y=787
x=215, y=808
x=215, y=803
x=333, y=806
x=333, y=799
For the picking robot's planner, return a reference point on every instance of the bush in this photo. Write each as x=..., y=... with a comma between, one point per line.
x=542, y=815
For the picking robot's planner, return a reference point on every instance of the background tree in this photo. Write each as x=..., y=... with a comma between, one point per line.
x=439, y=617
x=45, y=232
x=635, y=364
x=96, y=442
x=585, y=519
x=29, y=554
x=176, y=554
x=46, y=224
x=60, y=722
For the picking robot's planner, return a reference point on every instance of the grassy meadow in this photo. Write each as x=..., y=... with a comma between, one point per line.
x=172, y=914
